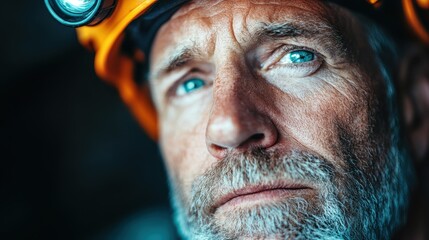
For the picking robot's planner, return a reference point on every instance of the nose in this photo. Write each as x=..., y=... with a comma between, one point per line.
x=236, y=124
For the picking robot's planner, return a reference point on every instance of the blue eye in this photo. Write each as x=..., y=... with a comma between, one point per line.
x=189, y=86
x=300, y=56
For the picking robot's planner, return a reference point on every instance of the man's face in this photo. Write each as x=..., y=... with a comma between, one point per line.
x=273, y=122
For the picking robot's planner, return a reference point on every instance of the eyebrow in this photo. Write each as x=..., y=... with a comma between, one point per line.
x=276, y=30
x=178, y=59
x=281, y=30
x=321, y=30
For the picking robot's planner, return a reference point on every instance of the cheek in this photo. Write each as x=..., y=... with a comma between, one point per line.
x=183, y=144
x=316, y=111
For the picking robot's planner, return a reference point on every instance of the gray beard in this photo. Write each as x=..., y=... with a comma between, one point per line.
x=352, y=203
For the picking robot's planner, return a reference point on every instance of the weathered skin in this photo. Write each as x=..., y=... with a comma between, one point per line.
x=252, y=97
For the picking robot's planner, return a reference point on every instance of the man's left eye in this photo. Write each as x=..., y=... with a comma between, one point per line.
x=292, y=61
x=298, y=56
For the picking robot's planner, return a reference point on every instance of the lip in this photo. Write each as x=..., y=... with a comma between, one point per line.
x=258, y=193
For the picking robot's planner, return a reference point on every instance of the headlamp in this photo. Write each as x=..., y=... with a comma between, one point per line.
x=76, y=13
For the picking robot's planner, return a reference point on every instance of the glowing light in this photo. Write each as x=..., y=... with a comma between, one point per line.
x=414, y=21
x=423, y=4
x=76, y=6
x=375, y=3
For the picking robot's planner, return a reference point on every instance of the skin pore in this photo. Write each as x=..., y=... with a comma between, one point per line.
x=273, y=124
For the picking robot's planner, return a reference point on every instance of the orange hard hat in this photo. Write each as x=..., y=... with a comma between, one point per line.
x=105, y=35
x=117, y=68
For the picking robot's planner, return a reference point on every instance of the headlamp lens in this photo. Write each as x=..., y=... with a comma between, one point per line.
x=76, y=13
x=74, y=7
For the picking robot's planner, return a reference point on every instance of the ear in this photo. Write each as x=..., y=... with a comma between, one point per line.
x=414, y=95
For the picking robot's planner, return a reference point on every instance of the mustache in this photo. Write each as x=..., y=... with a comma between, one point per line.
x=257, y=167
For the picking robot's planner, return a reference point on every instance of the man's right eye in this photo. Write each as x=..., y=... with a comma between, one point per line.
x=189, y=86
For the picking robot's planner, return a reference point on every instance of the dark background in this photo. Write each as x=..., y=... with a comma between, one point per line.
x=74, y=163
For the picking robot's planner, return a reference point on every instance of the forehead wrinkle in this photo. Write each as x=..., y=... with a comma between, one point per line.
x=239, y=27
x=180, y=52
x=199, y=6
